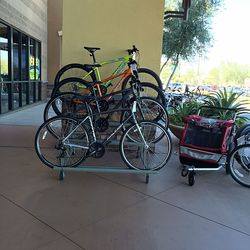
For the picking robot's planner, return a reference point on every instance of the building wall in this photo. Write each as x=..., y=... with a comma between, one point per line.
x=114, y=26
x=54, y=40
x=30, y=16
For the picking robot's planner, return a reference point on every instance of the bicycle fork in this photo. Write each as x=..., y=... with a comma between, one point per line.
x=137, y=125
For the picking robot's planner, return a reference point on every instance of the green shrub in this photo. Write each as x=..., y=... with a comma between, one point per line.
x=224, y=99
x=184, y=109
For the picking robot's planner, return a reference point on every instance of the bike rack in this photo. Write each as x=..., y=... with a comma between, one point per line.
x=103, y=169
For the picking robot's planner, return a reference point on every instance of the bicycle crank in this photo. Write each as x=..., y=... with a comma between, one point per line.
x=97, y=150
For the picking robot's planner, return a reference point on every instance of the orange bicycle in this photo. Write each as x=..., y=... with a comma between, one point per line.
x=91, y=73
x=80, y=86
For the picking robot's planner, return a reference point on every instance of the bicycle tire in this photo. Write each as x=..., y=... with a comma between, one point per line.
x=239, y=164
x=75, y=70
x=150, y=90
x=142, y=156
x=148, y=109
x=51, y=151
x=157, y=114
x=243, y=130
x=73, y=84
x=145, y=75
x=62, y=105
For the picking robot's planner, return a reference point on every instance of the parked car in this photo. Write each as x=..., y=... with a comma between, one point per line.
x=176, y=86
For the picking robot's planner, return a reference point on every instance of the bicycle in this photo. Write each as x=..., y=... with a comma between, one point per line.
x=173, y=99
x=66, y=142
x=80, y=86
x=73, y=105
x=239, y=161
x=91, y=73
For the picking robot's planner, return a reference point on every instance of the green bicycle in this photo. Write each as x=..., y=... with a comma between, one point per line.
x=91, y=73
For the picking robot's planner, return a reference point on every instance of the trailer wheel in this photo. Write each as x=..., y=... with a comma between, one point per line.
x=227, y=168
x=184, y=172
x=191, y=178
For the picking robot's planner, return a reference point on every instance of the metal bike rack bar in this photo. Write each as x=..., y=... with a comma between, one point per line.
x=104, y=169
x=205, y=169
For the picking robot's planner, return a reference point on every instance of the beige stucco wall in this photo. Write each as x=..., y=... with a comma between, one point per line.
x=114, y=26
x=30, y=16
x=54, y=41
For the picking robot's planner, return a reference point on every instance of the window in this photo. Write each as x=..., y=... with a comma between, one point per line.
x=4, y=68
x=16, y=55
x=20, y=69
x=38, y=61
x=24, y=63
x=16, y=68
x=4, y=56
x=32, y=67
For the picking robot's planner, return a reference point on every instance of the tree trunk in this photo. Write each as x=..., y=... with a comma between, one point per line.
x=163, y=65
x=172, y=74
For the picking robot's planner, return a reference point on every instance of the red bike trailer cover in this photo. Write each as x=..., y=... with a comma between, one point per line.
x=208, y=123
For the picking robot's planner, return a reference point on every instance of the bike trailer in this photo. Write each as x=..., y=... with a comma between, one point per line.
x=205, y=141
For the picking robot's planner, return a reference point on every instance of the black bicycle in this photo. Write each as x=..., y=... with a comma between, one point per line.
x=66, y=142
x=72, y=104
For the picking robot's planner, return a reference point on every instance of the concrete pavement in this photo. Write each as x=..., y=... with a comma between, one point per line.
x=112, y=211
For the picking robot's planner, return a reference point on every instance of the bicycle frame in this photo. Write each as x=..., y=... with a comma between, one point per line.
x=108, y=80
x=116, y=73
x=125, y=93
x=106, y=140
x=124, y=60
x=128, y=72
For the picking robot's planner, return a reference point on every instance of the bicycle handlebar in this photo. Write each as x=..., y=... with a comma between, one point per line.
x=214, y=107
x=133, y=50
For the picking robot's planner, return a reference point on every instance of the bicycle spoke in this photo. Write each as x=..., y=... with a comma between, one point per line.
x=150, y=152
x=63, y=144
x=239, y=163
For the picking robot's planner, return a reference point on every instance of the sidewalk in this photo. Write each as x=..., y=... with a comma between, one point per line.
x=112, y=211
x=28, y=116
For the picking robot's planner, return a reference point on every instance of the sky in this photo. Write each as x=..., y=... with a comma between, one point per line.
x=231, y=33
x=231, y=28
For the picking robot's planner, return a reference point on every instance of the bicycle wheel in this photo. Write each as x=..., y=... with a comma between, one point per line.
x=67, y=104
x=73, y=85
x=152, y=110
x=75, y=70
x=61, y=142
x=148, y=109
x=150, y=90
x=243, y=130
x=239, y=164
x=145, y=75
x=142, y=152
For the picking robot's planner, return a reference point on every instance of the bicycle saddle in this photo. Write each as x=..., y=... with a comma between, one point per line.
x=91, y=49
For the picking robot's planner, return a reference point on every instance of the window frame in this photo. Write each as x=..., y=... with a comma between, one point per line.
x=19, y=83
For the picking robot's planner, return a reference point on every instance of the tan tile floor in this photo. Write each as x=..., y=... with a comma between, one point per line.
x=113, y=211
